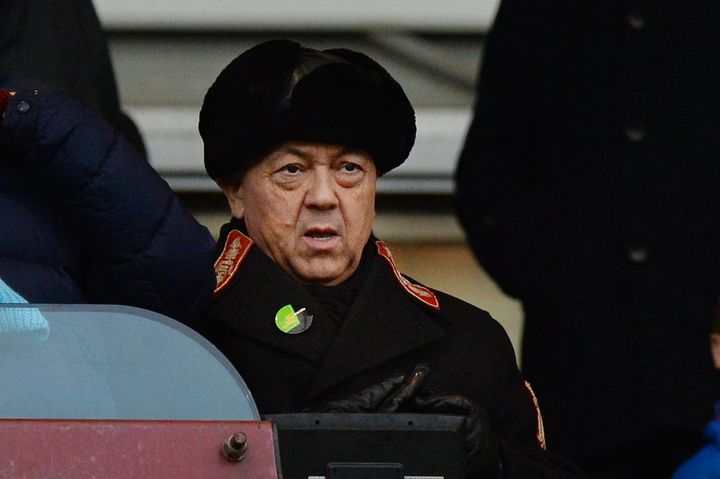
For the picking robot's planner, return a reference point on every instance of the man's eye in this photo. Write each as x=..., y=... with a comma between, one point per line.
x=291, y=169
x=350, y=167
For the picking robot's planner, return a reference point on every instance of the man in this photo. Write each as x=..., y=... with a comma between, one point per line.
x=588, y=188
x=309, y=305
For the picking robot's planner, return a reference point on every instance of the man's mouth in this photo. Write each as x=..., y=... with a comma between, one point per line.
x=320, y=235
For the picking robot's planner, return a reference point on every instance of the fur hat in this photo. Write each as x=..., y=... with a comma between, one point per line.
x=280, y=91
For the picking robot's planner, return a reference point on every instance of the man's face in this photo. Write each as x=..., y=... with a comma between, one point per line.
x=715, y=349
x=310, y=207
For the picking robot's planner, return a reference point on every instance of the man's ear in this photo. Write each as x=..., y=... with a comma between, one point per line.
x=715, y=349
x=234, y=194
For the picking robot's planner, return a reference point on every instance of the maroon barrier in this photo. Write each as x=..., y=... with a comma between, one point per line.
x=130, y=449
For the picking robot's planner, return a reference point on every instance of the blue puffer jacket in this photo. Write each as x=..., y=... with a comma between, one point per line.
x=705, y=464
x=83, y=218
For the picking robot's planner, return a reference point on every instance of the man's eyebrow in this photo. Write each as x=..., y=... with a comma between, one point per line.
x=301, y=153
x=295, y=151
x=347, y=150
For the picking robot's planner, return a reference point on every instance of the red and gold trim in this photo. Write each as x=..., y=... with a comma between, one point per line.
x=540, y=433
x=419, y=292
x=236, y=248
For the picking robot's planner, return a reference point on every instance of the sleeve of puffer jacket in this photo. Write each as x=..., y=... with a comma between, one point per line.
x=141, y=247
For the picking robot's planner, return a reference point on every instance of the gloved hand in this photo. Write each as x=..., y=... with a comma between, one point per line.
x=387, y=396
x=480, y=441
x=402, y=393
x=407, y=392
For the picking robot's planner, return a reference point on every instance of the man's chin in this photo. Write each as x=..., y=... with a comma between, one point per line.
x=325, y=274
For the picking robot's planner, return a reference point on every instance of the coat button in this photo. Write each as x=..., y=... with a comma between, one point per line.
x=22, y=107
x=635, y=133
x=638, y=255
x=636, y=22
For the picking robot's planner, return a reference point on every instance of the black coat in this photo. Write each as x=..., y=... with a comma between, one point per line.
x=387, y=331
x=589, y=187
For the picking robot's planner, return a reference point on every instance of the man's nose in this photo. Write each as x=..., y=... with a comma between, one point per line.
x=321, y=192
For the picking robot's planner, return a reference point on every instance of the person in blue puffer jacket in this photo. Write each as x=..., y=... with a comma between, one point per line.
x=705, y=464
x=85, y=219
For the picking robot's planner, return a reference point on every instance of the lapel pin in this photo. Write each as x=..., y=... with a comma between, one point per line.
x=290, y=321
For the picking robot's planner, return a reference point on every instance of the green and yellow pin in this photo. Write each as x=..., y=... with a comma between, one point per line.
x=290, y=321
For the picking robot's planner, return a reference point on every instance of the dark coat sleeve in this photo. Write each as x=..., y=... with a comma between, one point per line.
x=512, y=407
x=140, y=246
x=476, y=359
x=518, y=420
x=496, y=203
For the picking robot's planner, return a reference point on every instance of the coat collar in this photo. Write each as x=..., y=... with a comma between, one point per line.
x=385, y=321
x=256, y=291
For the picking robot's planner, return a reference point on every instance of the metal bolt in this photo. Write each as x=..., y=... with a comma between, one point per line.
x=235, y=447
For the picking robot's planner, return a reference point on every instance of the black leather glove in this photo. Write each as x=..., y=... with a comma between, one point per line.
x=480, y=441
x=388, y=396
x=406, y=393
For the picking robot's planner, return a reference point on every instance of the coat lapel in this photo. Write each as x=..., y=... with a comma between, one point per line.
x=257, y=291
x=384, y=323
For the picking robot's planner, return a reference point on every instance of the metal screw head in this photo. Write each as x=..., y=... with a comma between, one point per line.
x=235, y=447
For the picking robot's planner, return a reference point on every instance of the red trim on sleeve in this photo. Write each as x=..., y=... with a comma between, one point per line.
x=540, y=432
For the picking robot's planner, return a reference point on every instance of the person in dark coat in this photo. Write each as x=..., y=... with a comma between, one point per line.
x=588, y=189
x=84, y=218
x=309, y=306
x=63, y=46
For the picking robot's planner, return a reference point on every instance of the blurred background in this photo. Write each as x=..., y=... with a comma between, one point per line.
x=167, y=53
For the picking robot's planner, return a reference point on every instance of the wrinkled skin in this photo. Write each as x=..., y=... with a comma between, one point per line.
x=310, y=207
